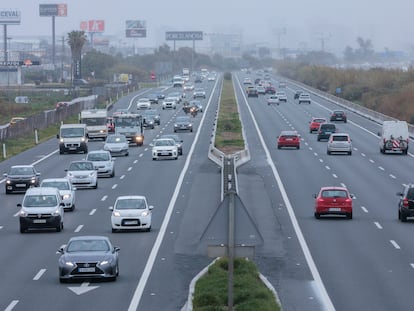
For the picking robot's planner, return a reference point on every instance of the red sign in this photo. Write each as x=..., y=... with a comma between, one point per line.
x=84, y=26
x=152, y=76
x=93, y=26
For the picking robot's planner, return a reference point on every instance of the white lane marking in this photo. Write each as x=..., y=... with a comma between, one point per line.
x=381, y=168
x=343, y=185
x=39, y=274
x=327, y=167
x=392, y=176
x=378, y=225
x=363, y=154
x=104, y=198
x=372, y=161
x=92, y=212
x=114, y=186
x=315, y=154
x=141, y=155
x=334, y=176
x=129, y=169
x=79, y=228
x=17, y=214
x=11, y=305
x=321, y=160
x=1, y=227
x=122, y=177
x=135, y=161
x=146, y=149
x=412, y=265
x=395, y=244
x=364, y=209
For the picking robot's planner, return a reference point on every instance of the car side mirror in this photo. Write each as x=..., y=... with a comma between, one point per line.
x=116, y=249
x=400, y=194
x=314, y=195
x=62, y=204
x=61, y=250
x=19, y=205
x=57, y=136
x=352, y=196
x=111, y=208
x=74, y=188
x=150, y=207
x=37, y=174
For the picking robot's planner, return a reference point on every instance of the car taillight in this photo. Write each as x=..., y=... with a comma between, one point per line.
x=348, y=200
x=405, y=202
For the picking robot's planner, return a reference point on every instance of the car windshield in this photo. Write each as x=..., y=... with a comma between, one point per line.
x=94, y=121
x=72, y=132
x=81, y=166
x=319, y=120
x=40, y=201
x=115, y=139
x=21, y=171
x=164, y=142
x=183, y=119
x=61, y=185
x=87, y=246
x=128, y=121
x=102, y=156
x=334, y=194
x=340, y=138
x=130, y=204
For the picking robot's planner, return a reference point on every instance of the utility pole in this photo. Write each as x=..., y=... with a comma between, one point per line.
x=323, y=38
x=278, y=32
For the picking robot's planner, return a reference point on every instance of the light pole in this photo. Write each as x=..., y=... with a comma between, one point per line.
x=8, y=60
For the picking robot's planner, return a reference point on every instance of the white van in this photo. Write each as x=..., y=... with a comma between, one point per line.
x=73, y=138
x=394, y=137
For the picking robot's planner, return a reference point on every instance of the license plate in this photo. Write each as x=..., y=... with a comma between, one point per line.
x=335, y=209
x=20, y=185
x=131, y=222
x=165, y=153
x=39, y=221
x=289, y=139
x=92, y=269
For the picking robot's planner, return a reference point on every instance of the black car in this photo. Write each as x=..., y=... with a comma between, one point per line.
x=88, y=257
x=160, y=96
x=325, y=130
x=21, y=177
x=148, y=121
x=198, y=79
x=183, y=123
x=297, y=94
x=153, y=98
x=154, y=114
x=178, y=141
x=406, y=203
x=252, y=92
x=338, y=115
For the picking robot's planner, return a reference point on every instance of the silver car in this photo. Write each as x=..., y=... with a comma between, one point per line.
x=117, y=145
x=66, y=190
x=103, y=161
x=339, y=142
x=82, y=174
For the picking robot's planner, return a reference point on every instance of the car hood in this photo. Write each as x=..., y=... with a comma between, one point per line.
x=87, y=256
x=21, y=176
x=164, y=147
x=80, y=173
x=131, y=212
x=115, y=145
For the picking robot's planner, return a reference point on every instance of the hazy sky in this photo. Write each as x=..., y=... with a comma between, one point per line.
x=389, y=24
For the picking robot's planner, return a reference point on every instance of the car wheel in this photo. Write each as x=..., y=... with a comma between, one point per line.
x=403, y=217
x=279, y=147
x=148, y=229
x=96, y=186
x=328, y=152
x=317, y=215
x=8, y=191
x=298, y=147
x=399, y=215
x=153, y=159
x=176, y=158
x=349, y=152
x=117, y=270
x=59, y=227
x=22, y=229
x=72, y=208
x=319, y=139
x=114, y=230
x=61, y=152
x=113, y=173
x=127, y=154
x=349, y=215
x=61, y=280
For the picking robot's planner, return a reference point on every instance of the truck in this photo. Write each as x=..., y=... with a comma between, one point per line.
x=131, y=125
x=96, y=122
x=186, y=74
x=73, y=138
x=178, y=81
x=394, y=137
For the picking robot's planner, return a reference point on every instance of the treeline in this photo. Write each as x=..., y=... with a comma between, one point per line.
x=389, y=91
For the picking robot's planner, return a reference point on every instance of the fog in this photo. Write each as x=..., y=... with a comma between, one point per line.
x=310, y=25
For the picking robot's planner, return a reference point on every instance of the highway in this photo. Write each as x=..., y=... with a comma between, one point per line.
x=363, y=264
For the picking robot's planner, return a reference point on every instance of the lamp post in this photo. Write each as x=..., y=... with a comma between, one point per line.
x=7, y=60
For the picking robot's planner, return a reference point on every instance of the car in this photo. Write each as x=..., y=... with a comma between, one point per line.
x=261, y=90
x=143, y=103
x=257, y=81
x=19, y=178
x=282, y=96
x=333, y=201
x=272, y=100
x=15, y=120
x=66, y=191
x=148, y=121
x=247, y=81
x=197, y=104
x=282, y=85
x=288, y=139
x=183, y=123
x=198, y=79
x=338, y=115
x=61, y=105
x=297, y=94
x=178, y=141
x=270, y=89
x=88, y=257
x=131, y=212
x=121, y=111
x=80, y=82
x=82, y=174
x=252, y=92
x=41, y=208
x=188, y=87
x=160, y=96
x=406, y=202
x=304, y=98
x=154, y=114
x=199, y=92
x=103, y=162
x=315, y=123
x=339, y=142
x=117, y=145
x=325, y=130
x=211, y=77
x=164, y=148
x=169, y=103
x=177, y=96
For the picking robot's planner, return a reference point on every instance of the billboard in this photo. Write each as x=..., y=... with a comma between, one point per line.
x=184, y=35
x=93, y=26
x=136, y=29
x=53, y=9
x=10, y=17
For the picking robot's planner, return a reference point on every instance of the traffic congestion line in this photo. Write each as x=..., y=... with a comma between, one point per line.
x=377, y=224
x=79, y=228
x=92, y=212
x=395, y=244
x=11, y=305
x=39, y=274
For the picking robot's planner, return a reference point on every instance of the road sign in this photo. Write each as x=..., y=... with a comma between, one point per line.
x=136, y=29
x=9, y=17
x=53, y=9
x=184, y=35
x=152, y=75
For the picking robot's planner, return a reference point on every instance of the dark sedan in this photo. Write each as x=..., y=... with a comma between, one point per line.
x=183, y=123
x=21, y=177
x=88, y=257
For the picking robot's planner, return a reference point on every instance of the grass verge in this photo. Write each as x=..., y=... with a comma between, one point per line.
x=249, y=291
x=229, y=138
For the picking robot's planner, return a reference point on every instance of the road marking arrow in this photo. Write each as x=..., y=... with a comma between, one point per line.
x=84, y=288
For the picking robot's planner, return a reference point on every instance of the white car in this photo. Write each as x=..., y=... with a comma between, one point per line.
x=131, y=212
x=169, y=103
x=143, y=103
x=282, y=96
x=188, y=87
x=117, y=145
x=82, y=174
x=66, y=190
x=164, y=148
x=103, y=161
x=199, y=92
x=272, y=100
x=304, y=98
x=339, y=142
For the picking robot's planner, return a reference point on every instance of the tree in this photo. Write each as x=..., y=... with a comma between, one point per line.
x=76, y=40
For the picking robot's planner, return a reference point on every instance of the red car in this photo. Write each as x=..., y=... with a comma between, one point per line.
x=270, y=90
x=333, y=201
x=314, y=124
x=288, y=139
x=110, y=125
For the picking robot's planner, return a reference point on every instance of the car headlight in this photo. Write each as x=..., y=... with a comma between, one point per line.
x=61, y=140
x=33, y=180
x=22, y=213
x=8, y=181
x=139, y=138
x=66, y=196
x=175, y=125
x=116, y=214
x=69, y=174
x=83, y=139
x=145, y=213
x=56, y=213
x=69, y=263
x=105, y=262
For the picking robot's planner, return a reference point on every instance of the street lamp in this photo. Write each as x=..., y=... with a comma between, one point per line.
x=7, y=60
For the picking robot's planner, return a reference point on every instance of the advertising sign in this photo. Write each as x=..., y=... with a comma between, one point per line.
x=93, y=26
x=10, y=17
x=136, y=29
x=184, y=35
x=53, y=9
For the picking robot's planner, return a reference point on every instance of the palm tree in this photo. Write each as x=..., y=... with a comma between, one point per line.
x=76, y=40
